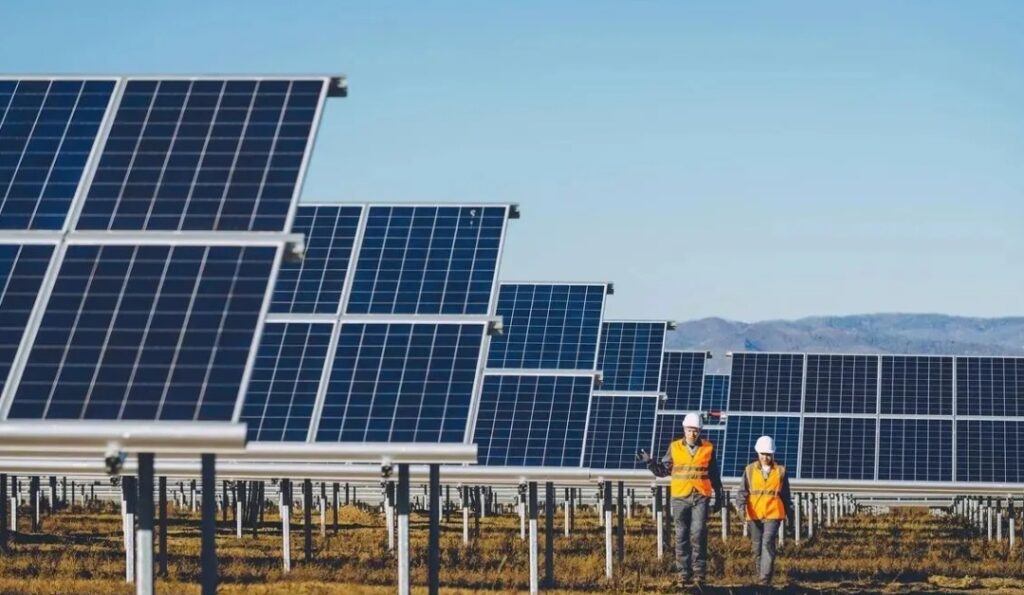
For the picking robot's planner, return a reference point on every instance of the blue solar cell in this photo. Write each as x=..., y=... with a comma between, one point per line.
x=716, y=393
x=619, y=426
x=47, y=130
x=314, y=284
x=917, y=385
x=427, y=260
x=206, y=154
x=548, y=326
x=915, y=450
x=285, y=379
x=669, y=428
x=842, y=384
x=682, y=380
x=769, y=382
x=990, y=386
x=532, y=420
x=989, y=451
x=399, y=382
x=22, y=269
x=838, y=448
x=145, y=333
x=630, y=356
x=743, y=431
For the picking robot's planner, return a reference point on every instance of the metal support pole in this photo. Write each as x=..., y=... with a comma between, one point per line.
x=464, y=496
x=3, y=512
x=607, y=515
x=573, y=502
x=532, y=488
x=549, y=534
x=434, y=536
x=208, y=553
x=334, y=506
x=323, y=509
x=307, y=519
x=163, y=527
x=566, y=506
x=54, y=503
x=33, y=503
x=144, y=538
x=621, y=535
x=285, y=488
x=403, y=529
x=239, y=513
x=725, y=517
x=658, y=522
x=797, y=505
x=128, y=498
x=389, y=513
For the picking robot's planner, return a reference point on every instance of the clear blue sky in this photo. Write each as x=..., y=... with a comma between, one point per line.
x=749, y=160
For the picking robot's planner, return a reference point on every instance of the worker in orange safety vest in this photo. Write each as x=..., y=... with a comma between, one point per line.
x=765, y=497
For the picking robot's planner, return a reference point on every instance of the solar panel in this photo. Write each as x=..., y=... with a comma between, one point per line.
x=150, y=332
x=838, y=448
x=428, y=260
x=682, y=380
x=842, y=384
x=989, y=451
x=669, y=428
x=401, y=382
x=915, y=450
x=47, y=130
x=314, y=284
x=716, y=392
x=990, y=386
x=617, y=428
x=22, y=268
x=917, y=384
x=553, y=326
x=285, y=380
x=630, y=356
x=206, y=154
x=744, y=430
x=769, y=382
x=533, y=420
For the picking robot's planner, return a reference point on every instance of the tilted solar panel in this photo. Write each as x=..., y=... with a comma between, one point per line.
x=631, y=356
x=917, y=384
x=533, y=420
x=769, y=382
x=22, y=268
x=842, y=384
x=553, y=326
x=838, y=448
x=915, y=450
x=285, y=380
x=151, y=332
x=428, y=260
x=47, y=130
x=682, y=380
x=401, y=382
x=204, y=154
x=619, y=426
x=744, y=430
x=716, y=392
x=990, y=386
x=314, y=284
x=989, y=451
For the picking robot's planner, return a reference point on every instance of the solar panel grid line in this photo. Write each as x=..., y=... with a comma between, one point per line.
x=84, y=175
x=22, y=269
x=803, y=413
x=682, y=380
x=878, y=409
x=304, y=163
x=286, y=318
x=478, y=386
x=538, y=372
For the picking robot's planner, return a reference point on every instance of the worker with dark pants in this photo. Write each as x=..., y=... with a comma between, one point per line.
x=696, y=488
x=764, y=495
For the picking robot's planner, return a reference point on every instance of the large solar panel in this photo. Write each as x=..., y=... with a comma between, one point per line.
x=838, y=448
x=769, y=382
x=22, y=268
x=989, y=451
x=314, y=284
x=146, y=332
x=917, y=384
x=47, y=131
x=617, y=428
x=842, y=384
x=533, y=420
x=744, y=430
x=204, y=154
x=716, y=392
x=428, y=260
x=631, y=356
x=915, y=450
x=553, y=326
x=990, y=386
x=669, y=428
x=401, y=382
x=285, y=380
x=682, y=380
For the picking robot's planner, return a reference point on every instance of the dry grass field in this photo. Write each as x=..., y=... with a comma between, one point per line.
x=79, y=551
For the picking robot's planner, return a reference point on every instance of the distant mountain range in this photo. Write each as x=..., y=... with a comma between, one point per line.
x=862, y=333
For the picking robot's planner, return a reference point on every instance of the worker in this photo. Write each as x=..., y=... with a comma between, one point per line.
x=764, y=495
x=696, y=489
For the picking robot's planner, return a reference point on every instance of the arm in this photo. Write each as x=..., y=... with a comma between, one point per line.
x=787, y=498
x=662, y=468
x=742, y=493
x=716, y=481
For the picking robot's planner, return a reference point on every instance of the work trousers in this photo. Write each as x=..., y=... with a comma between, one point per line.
x=690, y=515
x=764, y=535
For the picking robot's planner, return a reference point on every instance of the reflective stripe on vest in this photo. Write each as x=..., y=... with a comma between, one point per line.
x=764, y=501
x=690, y=472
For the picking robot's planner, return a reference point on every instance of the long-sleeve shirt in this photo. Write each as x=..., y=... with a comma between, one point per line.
x=663, y=468
x=784, y=494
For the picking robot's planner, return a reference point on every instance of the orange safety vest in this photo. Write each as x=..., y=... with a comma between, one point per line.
x=691, y=472
x=765, y=499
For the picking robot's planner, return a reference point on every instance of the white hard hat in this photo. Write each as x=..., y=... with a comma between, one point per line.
x=692, y=420
x=765, y=445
